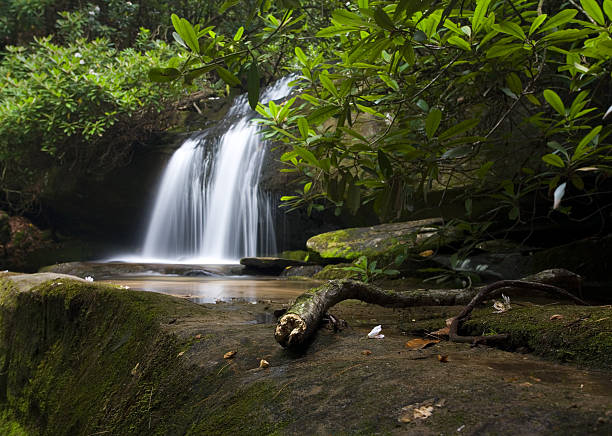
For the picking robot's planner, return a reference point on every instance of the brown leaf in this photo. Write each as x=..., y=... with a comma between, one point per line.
x=557, y=316
x=198, y=336
x=229, y=354
x=180, y=354
x=445, y=331
x=442, y=359
x=418, y=343
x=525, y=384
x=134, y=370
x=264, y=363
x=426, y=253
x=366, y=352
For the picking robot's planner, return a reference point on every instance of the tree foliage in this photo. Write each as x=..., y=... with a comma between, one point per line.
x=58, y=104
x=398, y=99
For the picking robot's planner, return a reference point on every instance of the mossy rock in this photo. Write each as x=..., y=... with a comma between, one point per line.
x=331, y=272
x=384, y=241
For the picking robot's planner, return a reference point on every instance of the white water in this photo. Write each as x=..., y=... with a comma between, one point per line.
x=209, y=208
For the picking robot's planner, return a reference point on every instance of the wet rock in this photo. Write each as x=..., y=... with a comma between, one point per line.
x=301, y=271
x=384, y=240
x=269, y=265
x=198, y=273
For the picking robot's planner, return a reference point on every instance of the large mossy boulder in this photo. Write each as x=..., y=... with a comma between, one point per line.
x=382, y=241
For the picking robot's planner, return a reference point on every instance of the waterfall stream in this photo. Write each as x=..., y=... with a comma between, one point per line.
x=209, y=207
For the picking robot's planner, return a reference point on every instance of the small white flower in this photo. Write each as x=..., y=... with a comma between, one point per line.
x=124, y=287
x=97, y=9
x=82, y=62
x=78, y=55
x=89, y=279
x=92, y=13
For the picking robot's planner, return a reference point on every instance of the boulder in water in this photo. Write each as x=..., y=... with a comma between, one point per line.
x=270, y=265
x=384, y=240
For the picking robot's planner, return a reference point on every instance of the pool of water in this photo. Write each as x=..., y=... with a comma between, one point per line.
x=215, y=289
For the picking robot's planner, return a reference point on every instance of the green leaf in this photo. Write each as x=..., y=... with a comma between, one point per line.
x=328, y=84
x=347, y=18
x=459, y=42
x=593, y=10
x=383, y=20
x=537, y=23
x=607, y=5
x=554, y=160
x=499, y=50
x=307, y=187
x=303, y=127
x=239, y=33
x=385, y=164
x=510, y=28
x=582, y=146
x=432, y=122
x=253, y=85
x=322, y=114
x=555, y=101
x=559, y=19
x=163, y=74
x=301, y=56
x=353, y=198
x=228, y=4
x=306, y=155
x=479, y=14
x=457, y=129
x=457, y=152
x=227, y=76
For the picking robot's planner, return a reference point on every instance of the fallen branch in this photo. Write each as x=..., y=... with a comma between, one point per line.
x=302, y=319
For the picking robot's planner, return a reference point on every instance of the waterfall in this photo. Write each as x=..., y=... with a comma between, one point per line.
x=209, y=208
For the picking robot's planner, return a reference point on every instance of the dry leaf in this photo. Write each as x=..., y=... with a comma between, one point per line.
x=535, y=378
x=445, y=331
x=180, y=354
x=525, y=384
x=366, y=352
x=134, y=370
x=557, y=316
x=264, y=363
x=418, y=343
x=229, y=354
x=442, y=359
x=423, y=412
x=198, y=336
x=426, y=253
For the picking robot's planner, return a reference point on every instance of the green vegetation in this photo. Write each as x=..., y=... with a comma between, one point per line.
x=398, y=99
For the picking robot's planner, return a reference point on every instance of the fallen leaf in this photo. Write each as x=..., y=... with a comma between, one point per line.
x=535, y=379
x=442, y=359
x=556, y=316
x=426, y=253
x=445, y=331
x=198, y=336
x=375, y=333
x=264, y=363
x=229, y=354
x=423, y=412
x=366, y=352
x=180, y=354
x=134, y=370
x=525, y=384
x=418, y=343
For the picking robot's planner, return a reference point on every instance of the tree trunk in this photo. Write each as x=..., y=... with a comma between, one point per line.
x=302, y=319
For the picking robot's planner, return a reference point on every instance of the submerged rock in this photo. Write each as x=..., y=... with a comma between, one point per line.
x=301, y=271
x=384, y=240
x=270, y=264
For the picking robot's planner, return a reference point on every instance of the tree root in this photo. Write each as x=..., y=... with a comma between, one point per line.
x=302, y=319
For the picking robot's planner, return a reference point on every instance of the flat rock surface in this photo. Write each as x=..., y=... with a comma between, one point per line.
x=155, y=364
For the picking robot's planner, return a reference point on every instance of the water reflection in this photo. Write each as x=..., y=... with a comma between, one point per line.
x=213, y=289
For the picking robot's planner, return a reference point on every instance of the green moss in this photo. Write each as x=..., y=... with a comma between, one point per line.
x=9, y=426
x=331, y=272
x=582, y=336
x=250, y=411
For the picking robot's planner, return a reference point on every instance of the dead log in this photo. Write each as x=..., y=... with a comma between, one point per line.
x=302, y=319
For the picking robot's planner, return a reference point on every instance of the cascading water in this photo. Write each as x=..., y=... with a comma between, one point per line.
x=209, y=208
